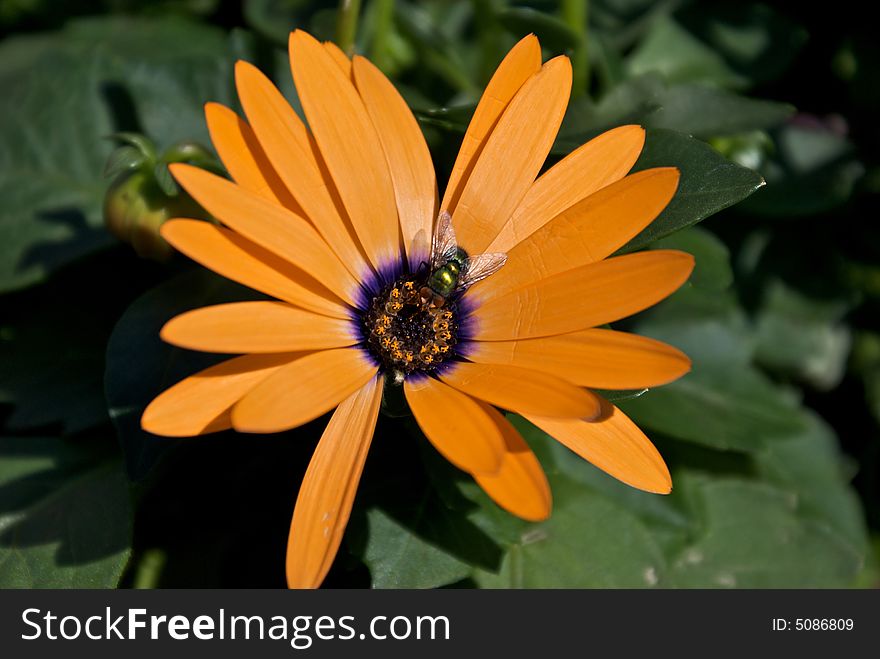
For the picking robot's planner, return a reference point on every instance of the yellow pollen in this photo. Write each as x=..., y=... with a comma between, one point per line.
x=403, y=333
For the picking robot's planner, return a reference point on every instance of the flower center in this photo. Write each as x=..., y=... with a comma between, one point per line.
x=407, y=333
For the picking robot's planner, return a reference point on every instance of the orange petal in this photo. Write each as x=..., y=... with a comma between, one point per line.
x=588, y=296
x=287, y=144
x=349, y=146
x=513, y=156
x=339, y=57
x=327, y=492
x=521, y=63
x=522, y=390
x=519, y=486
x=256, y=327
x=615, y=445
x=303, y=390
x=458, y=426
x=237, y=258
x=406, y=152
x=600, y=162
x=243, y=156
x=271, y=226
x=599, y=358
x=588, y=231
x=199, y=404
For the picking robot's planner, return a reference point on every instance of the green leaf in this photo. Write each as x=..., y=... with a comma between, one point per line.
x=679, y=56
x=52, y=343
x=794, y=522
x=438, y=50
x=802, y=336
x=588, y=542
x=140, y=365
x=64, y=94
x=727, y=407
x=731, y=45
x=48, y=382
x=553, y=32
x=418, y=530
x=694, y=109
x=398, y=558
x=706, y=112
x=65, y=521
x=712, y=270
x=274, y=19
x=756, y=41
x=633, y=101
x=872, y=390
x=814, y=170
x=865, y=363
x=141, y=143
x=708, y=325
x=812, y=467
x=121, y=159
x=163, y=178
x=615, y=395
x=869, y=577
x=709, y=183
x=601, y=533
x=625, y=21
x=750, y=535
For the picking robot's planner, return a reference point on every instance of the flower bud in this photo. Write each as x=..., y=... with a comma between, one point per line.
x=143, y=195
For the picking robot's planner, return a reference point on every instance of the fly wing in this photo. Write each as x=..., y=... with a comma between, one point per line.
x=443, y=244
x=481, y=266
x=418, y=250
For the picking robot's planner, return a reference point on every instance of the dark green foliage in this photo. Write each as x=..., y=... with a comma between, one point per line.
x=773, y=438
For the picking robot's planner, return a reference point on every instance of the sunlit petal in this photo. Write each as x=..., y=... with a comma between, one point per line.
x=600, y=162
x=326, y=494
x=458, y=426
x=588, y=296
x=257, y=327
x=615, y=445
x=599, y=358
x=522, y=390
x=519, y=486
x=303, y=390
x=232, y=256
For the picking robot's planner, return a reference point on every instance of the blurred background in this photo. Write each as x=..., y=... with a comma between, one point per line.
x=773, y=439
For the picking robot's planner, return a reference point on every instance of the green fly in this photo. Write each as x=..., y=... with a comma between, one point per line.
x=452, y=269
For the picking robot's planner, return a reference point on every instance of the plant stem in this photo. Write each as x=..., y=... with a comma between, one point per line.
x=149, y=569
x=346, y=25
x=576, y=15
x=489, y=34
x=383, y=26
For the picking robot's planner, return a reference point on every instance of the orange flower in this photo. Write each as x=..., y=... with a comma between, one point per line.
x=334, y=222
